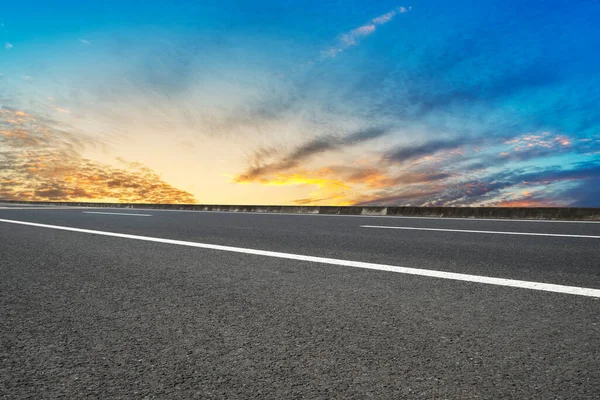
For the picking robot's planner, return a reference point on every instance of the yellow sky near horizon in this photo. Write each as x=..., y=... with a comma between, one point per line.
x=77, y=168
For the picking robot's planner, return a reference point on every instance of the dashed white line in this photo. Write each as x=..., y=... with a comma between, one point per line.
x=109, y=213
x=473, y=231
x=575, y=290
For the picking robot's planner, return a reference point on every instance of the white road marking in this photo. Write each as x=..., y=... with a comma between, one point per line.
x=472, y=231
x=575, y=290
x=109, y=213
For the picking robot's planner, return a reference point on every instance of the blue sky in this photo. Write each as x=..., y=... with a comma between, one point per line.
x=301, y=102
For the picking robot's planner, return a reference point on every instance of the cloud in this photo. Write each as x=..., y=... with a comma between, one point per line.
x=410, y=198
x=586, y=194
x=538, y=146
x=346, y=185
x=492, y=189
x=444, y=172
x=461, y=83
x=378, y=177
x=83, y=41
x=314, y=200
x=305, y=151
x=465, y=154
x=410, y=152
x=39, y=162
x=327, y=187
x=448, y=172
x=478, y=111
x=524, y=198
x=352, y=37
x=8, y=46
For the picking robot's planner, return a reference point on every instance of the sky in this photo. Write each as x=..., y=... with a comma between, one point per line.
x=329, y=102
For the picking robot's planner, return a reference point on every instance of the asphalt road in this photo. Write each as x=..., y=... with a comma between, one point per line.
x=101, y=316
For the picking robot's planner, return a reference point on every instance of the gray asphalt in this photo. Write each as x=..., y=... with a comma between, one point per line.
x=92, y=316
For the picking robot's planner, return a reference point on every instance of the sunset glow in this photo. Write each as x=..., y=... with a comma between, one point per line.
x=373, y=103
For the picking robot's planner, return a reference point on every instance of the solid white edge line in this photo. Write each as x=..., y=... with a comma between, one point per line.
x=575, y=290
x=110, y=213
x=473, y=231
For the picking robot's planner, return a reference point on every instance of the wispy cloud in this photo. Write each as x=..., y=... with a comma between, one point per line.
x=473, y=113
x=302, y=153
x=410, y=152
x=443, y=172
x=353, y=37
x=8, y=46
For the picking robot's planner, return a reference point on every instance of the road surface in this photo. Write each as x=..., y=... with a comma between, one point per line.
x=131, y=303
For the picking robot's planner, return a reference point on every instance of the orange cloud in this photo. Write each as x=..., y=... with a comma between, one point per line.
x=346, y=185
x=306, y=179
x=543, y=140
x=523, y=203
x=40, y=163
x=328, y=187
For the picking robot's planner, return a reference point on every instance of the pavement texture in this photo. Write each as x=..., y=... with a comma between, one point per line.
x=88, y=316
